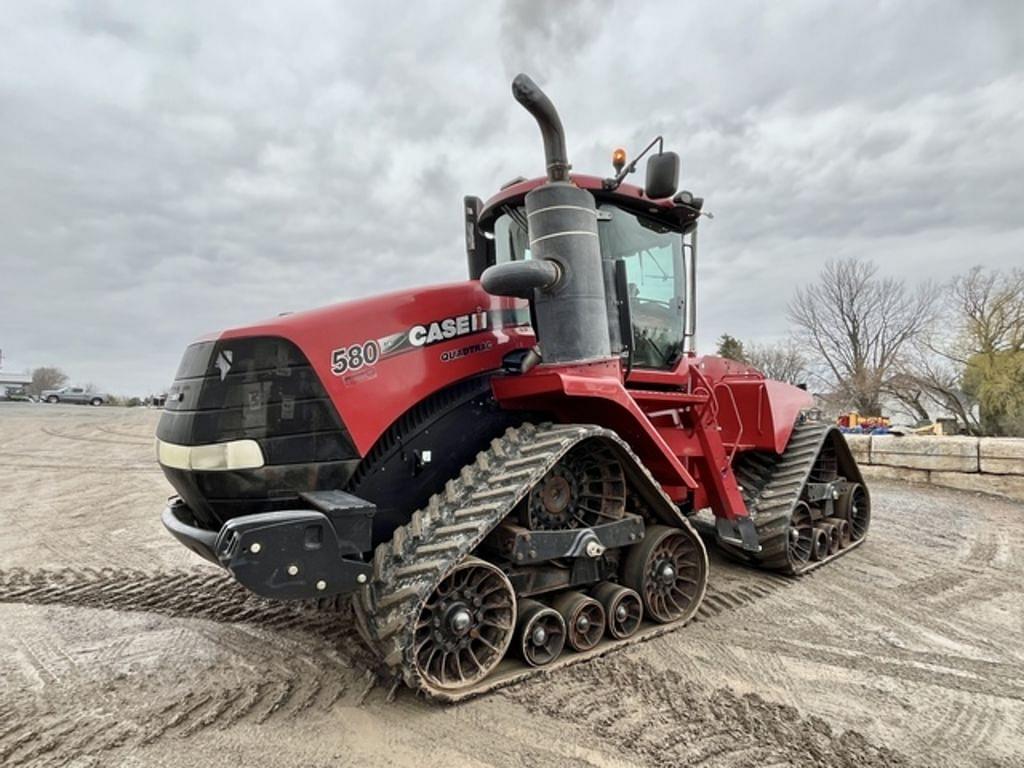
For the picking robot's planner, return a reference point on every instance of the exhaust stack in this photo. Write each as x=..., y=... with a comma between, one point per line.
x=539, y=105
x=563, y=279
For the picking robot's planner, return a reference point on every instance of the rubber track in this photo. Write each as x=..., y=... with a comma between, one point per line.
x=771, y=486
x=455, y=521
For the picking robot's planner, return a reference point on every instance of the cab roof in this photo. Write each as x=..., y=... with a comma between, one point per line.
x=627, y=195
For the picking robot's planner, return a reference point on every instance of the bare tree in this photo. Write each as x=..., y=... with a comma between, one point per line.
x=991, y=309
x=860, y=328
x=46, y=378
x=784, y=361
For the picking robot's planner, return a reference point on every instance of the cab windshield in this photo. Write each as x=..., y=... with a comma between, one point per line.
x=653, y=255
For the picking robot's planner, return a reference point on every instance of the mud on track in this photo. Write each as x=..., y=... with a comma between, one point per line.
x=118, y=647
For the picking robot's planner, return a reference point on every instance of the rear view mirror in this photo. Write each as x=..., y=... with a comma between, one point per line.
x=662, y=175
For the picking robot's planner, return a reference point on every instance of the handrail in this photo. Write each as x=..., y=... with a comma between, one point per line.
x=739, y=419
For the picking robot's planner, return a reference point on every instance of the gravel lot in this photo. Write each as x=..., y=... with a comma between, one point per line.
x=119, y=647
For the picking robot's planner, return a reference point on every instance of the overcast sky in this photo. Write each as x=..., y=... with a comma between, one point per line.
x=168, y=169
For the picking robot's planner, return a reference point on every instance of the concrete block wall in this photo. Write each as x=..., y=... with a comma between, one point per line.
x=989, y=464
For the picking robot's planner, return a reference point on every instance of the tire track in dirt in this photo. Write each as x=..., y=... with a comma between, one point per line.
x=718, y=600
x=276, y=679
x=217, y=597
x=104, y=469
x=292, y=681
x=185, y=594
x=90, y=439
x=949, y=671
x=138, y=439
x=307, y=661
x=660, y=718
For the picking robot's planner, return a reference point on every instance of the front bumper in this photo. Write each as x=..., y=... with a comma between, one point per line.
x=290, y=554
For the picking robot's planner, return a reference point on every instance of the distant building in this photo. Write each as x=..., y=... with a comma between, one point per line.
x=14, y=380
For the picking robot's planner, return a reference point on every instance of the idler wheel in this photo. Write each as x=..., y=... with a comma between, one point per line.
x=800, y=536
x=844, y=530
x=819, y=544
x=465, y=626
x=668, y=569
x=623, y=608
x=832, y=535
x=855, y=506
x=584, y=619
x=540, y=633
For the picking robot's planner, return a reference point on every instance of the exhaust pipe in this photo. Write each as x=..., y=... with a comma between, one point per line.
x=527, y=93
x=563, y=278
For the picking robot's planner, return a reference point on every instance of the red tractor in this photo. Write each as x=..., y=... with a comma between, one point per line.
x=507, y=473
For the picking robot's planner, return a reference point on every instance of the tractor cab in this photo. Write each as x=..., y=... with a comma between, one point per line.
x=650, y=242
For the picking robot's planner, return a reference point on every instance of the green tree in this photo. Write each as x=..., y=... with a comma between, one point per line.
x=996, y=382
x=972, y=364
x=731, y=348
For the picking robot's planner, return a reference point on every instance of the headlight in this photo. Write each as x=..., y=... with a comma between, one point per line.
x=237, y=454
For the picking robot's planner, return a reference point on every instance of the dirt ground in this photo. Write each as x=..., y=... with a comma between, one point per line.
x=119, y=647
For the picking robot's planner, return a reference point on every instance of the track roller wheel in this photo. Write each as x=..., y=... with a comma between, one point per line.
x=668, y=569
x=622, y=607
x=844, y=530
x=584, y=619
x=819, y=544
x=831, y=534
x=540, y=633
x=855, y=506
x=465, y=626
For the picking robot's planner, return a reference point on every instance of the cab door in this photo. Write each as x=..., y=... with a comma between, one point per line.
x=652, y=253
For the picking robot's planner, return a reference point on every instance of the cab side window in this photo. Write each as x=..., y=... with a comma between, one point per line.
x=654, y=272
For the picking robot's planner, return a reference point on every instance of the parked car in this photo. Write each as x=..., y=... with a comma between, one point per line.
x=73, y=395
x=16, y=394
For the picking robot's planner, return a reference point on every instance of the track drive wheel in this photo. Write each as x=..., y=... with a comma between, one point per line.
x=586, y=487
x=465, y=626
x=669, y=570
x=855, y=507
x=540, y=633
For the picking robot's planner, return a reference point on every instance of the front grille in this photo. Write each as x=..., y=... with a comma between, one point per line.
x=264, y=389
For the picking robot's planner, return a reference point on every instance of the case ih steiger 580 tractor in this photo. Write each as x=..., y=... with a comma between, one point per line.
x=505, y=473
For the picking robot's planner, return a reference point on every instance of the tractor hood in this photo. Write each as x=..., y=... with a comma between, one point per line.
x=295, y=402
x=391, y=350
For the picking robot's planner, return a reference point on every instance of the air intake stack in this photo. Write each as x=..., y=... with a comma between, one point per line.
x=563, y=278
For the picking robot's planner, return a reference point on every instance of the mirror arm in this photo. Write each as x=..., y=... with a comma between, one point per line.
x=614, y=183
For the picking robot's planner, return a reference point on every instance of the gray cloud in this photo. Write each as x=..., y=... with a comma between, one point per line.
x=174, y=169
